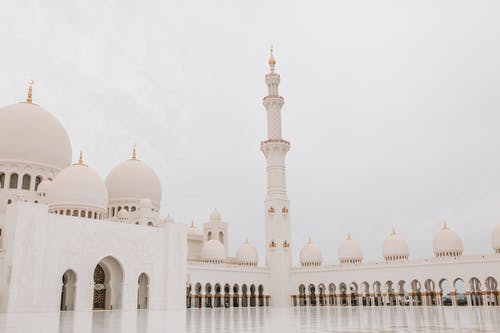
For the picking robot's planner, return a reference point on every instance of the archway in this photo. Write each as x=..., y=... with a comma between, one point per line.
x=252, y=296
x=188, y=296
x=377, y=294
x=68, y=291
x=430, y=298
x=354, y=294
x=475, y=291
x=312, y=294
x=143, y=292
x=492, y=293
x=321, y=289
x=401, y=293
x=365, y=291
x=227, y=301
x=244, y=296
x=391, y=298
x=197, y=297
x=218, y=301
x=302, y=295
x=460, y=296
x=260, y=290
x=208, y=295
x=235, y=296
x=331, y=294
x=108, y=279
x=445, y=292
x=343, y=294
x=416, y=292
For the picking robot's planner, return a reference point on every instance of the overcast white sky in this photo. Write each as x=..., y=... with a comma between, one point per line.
x=392, y=107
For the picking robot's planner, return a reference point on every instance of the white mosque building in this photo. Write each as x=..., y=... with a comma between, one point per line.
x=70, y=240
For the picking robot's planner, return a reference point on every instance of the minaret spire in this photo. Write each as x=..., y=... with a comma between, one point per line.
x=29, y=99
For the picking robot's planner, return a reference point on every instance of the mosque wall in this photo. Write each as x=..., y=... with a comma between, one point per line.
x=40, y=247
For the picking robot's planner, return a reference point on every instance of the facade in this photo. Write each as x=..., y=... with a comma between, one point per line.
x=73, y=241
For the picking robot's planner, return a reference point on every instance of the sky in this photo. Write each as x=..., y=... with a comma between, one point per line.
x=392, y=108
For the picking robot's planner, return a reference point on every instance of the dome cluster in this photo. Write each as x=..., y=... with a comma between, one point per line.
x=32, y=139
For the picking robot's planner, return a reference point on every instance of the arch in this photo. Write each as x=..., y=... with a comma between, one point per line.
x=475, y=291
x=9, y=201
x=416, y=292
x=2, y=179
x=112, y=211
x=197, y=295
x=365, y=294
x=302, y=295
x=402, y=295
x=68, y=291
x=208, y=295
x=108, y=279
x=343, y=294
x=143, y=291
x=209, y=236
x=391, y=298
x=491, y=291
x=75, y=212
x=331, y=293
x=68, y=212
x=188, y=295
x=221, y=237
x=217, y=301
x=236, y=290
x=260, y=290
x=89, y=214
x=133, y=209
x=26, y=182
x=460, y=291
x=227, y=290
x=14, y=179
x=126, y=208
x=445, y=291
x=377, y=294
x=38, y=180
x=312, y=294
x=252, y=296
x=430, y=292
x=244, y=295
x=82, y=213
x=321, y=296
x=150, y=224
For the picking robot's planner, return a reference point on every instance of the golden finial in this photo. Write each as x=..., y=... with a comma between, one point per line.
x=134, y=153
x=29, y=99
x=80, y=160
x=444, y=225
x=348, y=236
x=272, y=61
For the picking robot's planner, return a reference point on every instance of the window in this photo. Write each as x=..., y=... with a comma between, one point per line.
x=61, y=212
x=132, y=209
x=221, y=237
x=26, y=182
x=112, y=211
x=68, y=212
x=2, y=179
x=209, y=236
x=75, y=213
x=9, y=202
x=150, y=224
x=13, y=180
x=38, y=180
x=82, y=213
x=89, y=215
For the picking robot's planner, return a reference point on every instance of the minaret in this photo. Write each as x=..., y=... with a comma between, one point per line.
x=278, y=257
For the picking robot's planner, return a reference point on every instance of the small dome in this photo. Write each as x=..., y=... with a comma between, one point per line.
x=395, y=247
x=134, y=180
x=30, y=134
x=310, y=255
x=213, y=251
x=122, y=214
x=145, y=204
x=78, y=186
x=496, y=239
x=215, y=216
x=447, y=243
x=350, y=252
x=43, y=187
x=247, y=254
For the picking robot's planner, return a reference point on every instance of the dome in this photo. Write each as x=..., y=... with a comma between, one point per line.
x=496, y=238
x=213, y=251
x=43, y=187
x=350, y=252
x=395, y=247
x=310, y=255
x=447, y=243
x=247, y=254
x=30, y=134
x=145, y=204
x=78, y=186
x=134, y=180
x=215, y=216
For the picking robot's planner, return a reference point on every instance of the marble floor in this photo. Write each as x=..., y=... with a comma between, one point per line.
x=314, y=319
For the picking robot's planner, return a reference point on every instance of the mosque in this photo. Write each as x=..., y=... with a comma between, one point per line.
x=72, y=241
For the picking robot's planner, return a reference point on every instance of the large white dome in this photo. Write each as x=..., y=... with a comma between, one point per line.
x=350, y=252
x=247, y=254
x=213, y=251
x=395, y=247
x=447, y=243
x=31, y=134
x=495, y=239
x=310, y=255
x=134, y=180
x=78, y=187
